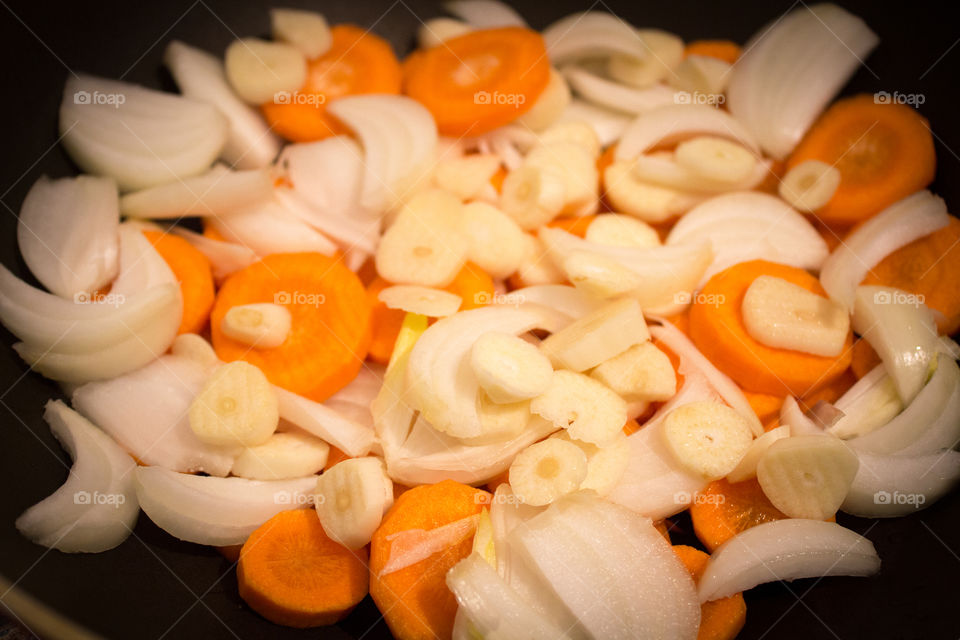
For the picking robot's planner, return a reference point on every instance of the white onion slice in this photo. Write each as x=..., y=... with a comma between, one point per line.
x=224, y=257
x=161, y=436
x=364, y=388
x=607, y=124
x=270, y=227
x=592, y=34
x=410, y=546
x=791, y=69
x=216, y=511
x=898, y=225
x=359, y=232
x=786, y=550
x=869, y=404
x=96, y=508
x=352, y=438
x=569, y=301
x=141, y=266
x=67, y=233
x=202, y=77
x=673, y=123
x=619, y=97
x=893, y=486
x=216, y=192
x=661, y=168
x=485, y=14
x=137, y=136
x=328, y=174
x=399, y=137
x=792, y=416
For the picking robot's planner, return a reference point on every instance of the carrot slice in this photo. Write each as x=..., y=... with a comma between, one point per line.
x=292, y=574
x=479, y=81
x=765, y=405
x=927, y=267
x=723, y=510
x=719, y=619
x=357, y=62
x=884, y=152
x=330, y=330
x=719, y=333
x=720, y=49
x=576, y=226
x=864, y=358
x=415, y=600
x=193, y=271
x=473, y=285
x=384, y=323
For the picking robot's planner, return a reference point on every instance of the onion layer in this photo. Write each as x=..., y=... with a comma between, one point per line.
x=217, y=192
x=485, y=14
x=893, y=486
x=676, y=122
x=612, y=95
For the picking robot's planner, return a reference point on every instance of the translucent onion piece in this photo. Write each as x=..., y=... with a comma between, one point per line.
x=591, y=34
x=786, y=550
x=569, y=301
x=224, y=257
x=607, y=124
x=867, y=405
x=349, y=436
x=270, y=227
x=677, y=122
x=202, y=77
x=791, y=69
x=619, y=97
x=141, y=267
x=485, y=14
x=137, y=136
x=410, y=546
x=893, y=486
x=353, y=231
x=662, y=169
x=792, y=416
x=898, y=225
x=216, y=511
x=216, y=192
x=67, y=233
x=96, y=508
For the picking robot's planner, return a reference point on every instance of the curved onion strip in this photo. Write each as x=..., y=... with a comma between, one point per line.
x=327, y=174
x=507, y=512
x=867, y=405
x=608, y=124
x=67, y=233
x=899, y=224
x=141, y=266
x=224, y=257
x=669, y=274
x=350, y=437
x=786, y=550
x=410, y=546
x=893, y=486
x=138, y=136
x=216, y=511
x=353, y=232
x=592, y=34
x=216, y=192
x=569, y=301
x=663, y=170
x=269, y=227
x=392, y=414
x=673, y=123
x=161, y=436
x=399, y=137
x=485, y=14
x=96, y=508
x=792, y=69
x=792, y=416
x=619, y=97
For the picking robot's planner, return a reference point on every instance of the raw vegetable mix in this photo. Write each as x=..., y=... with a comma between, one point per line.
x=466, y=330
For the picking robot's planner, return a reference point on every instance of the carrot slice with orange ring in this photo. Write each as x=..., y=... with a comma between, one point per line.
x=479, y=81
x=330, y=329
x=192, y=270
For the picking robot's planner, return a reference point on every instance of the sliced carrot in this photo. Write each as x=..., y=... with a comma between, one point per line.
x=479, y=81
x=720, y=49
x=415, y=600
x=576, y=226
x=884, y=152
x=384, y=323
x=473, y=285
x=292, y=574
x=193, y=272
x=330, y=331
x=719, y=332
x=927, y=267
x=723, y=510
x=357, y=62
x=830, y=392
x=719, y=619
x=864, y=358
x=765, y=405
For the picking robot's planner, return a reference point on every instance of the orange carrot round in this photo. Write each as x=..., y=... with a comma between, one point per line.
x=766, y=406
x=884, y=152
x=292, y=574
x=719, y=619
x=192, y=270
x=330, y=329
x=719, y=333
x=357, y=62
x=722, y=510
x=720, y=49
x=479, y=81
x=415, y=600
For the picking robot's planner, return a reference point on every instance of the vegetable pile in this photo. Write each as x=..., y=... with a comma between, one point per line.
x=463, y=331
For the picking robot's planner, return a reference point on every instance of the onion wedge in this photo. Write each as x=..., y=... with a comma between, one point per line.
x=270, y=227
x=216, y=192
x=893, y=486
x=141, y=267
x=224, y=257
x=485, y=14
x=677, y=122
x=592, y=34
x=351, y=437
x=613, y=95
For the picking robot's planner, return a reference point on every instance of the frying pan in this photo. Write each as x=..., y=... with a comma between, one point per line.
x=153, y=586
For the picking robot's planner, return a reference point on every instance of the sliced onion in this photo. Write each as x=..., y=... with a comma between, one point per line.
x=870, y=403
x=410, y=546
x=358, y=232
x=202, y=77
x=786, y=550
x=485, y=14
x=364, y=388
x=673, y=123
x=399, y=137
x=611, y=569
x=592, y=34
x=661, y=168
x=392, y=413
x=607, y=124
x=224, y=257
x=141, y=266
x=898, y=225
x=569, y=301
x=350, y=437
x=791, y=69
x=96, y=508
x=669, y=274
x=507, y=512
x=216, y=511
x=216, y=192
x=792, y=416
x=67, y=233
x=328, y=174
x=893, y=486
x=270, y=227
x=619, y=97
x=137, y=136
x=161, y=436
x=747, y=226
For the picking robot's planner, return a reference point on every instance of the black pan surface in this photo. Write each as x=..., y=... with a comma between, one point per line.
x=154, y=586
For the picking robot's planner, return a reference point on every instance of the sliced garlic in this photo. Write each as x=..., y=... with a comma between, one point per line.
x=536, y=267
x=550, y=104
x=618, y=230
x=258, y=70
x=597, y=336
x=810, y=185
x=308, y=31
x=547, y=470
x=509, y=368
x=578, y=132
x=783, y=315
x=237, y=405
x=707, y=437
x=466, y=177
x=649, y=202
x=262, y=325
x=716, y=159
x=283, y=456
x=578, y=169
x=351, y=498
x=664, y=52
x=599, y=275
x=642, y=373
x=748, y=464
x=495, y=243
x=533, y=196
x=195, y=348
x=589, y=410
x=605, y=465
x=426, y=301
